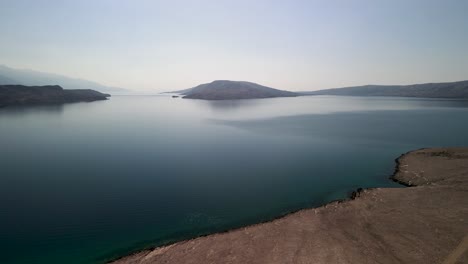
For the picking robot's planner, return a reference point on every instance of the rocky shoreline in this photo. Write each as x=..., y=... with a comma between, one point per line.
x=421, y=224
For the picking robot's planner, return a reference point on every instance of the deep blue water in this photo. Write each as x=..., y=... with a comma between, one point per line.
x=86, y=182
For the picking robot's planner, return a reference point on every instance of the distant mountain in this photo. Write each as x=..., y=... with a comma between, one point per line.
x=427, y=90
x=34, y=78
x=230, y=90
x=6, y=80
x=51, y=94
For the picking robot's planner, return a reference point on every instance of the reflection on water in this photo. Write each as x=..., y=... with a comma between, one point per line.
x=411, y=127
x=37, y=109
x=451, y=103
x=87, y=181
x=230, y=105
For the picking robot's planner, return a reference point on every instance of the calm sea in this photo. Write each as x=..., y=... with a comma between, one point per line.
x=87, y=182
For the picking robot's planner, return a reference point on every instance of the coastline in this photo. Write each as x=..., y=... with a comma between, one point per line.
x=388, y=225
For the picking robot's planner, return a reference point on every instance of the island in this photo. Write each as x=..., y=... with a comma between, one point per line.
x=452, y=90
x=49, y=94
x=232, y=90
x=424, y=223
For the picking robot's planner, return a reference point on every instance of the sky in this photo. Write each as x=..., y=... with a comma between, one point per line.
x=291, y=45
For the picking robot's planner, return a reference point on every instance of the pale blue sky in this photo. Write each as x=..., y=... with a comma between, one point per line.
x=294, y=45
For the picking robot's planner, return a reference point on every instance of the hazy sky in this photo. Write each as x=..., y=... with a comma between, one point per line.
x=294, y=45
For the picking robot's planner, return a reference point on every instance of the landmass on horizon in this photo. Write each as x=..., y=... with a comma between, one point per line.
x=232, y=90
x=425, y=90
x=50, y=94
x=9, y=76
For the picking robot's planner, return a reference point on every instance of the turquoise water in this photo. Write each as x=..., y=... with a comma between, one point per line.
x=88, y=182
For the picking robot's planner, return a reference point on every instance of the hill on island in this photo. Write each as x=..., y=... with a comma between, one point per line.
x=426, y=90
x=9, y=76
x=50, y=94
x=230, y=90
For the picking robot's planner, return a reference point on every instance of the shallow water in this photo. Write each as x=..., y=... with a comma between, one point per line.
x=86, y=182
